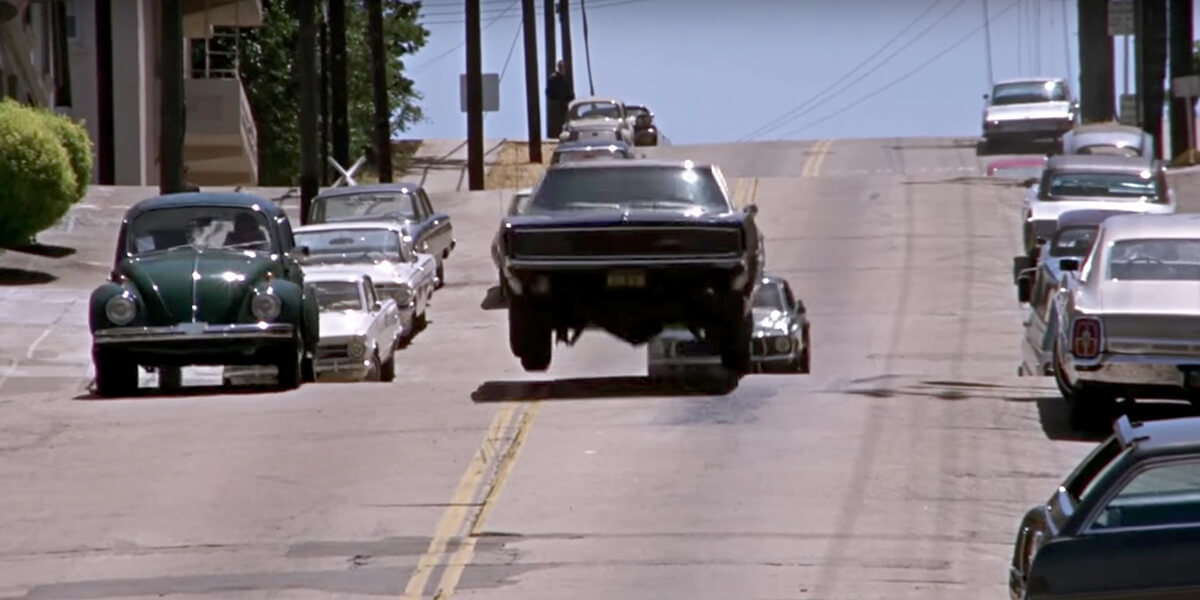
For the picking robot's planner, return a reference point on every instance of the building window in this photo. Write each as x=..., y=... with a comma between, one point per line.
x=71, y=12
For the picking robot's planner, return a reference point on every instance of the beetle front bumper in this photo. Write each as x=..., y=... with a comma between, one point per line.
x=197, y=343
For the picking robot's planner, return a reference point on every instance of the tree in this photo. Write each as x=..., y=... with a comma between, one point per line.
x=267, y=68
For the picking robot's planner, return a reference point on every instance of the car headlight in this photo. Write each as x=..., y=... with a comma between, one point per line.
x=356, y=349
x=783, y=344
x=403, y=293
x=265, y=306
x=120, y=310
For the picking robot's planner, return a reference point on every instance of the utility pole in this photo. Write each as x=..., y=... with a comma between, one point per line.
x=106, y=166
x=170, y=148
x=1151, y=50
x=987, y=41
x=337, y=83
x=383, y=115
x=1180, y=23
x=1095, y=62
x=474, y=98
x=533, y=107
x=306, y=65
x=323, y=45
x=62, y=57
x=564, y=17
x=548, y=26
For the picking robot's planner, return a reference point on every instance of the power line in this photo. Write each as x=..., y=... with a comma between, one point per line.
x=801, y=111
x=494, y=20
x=511, y=48
x=610, y=4
x=780, y=119
x=919, y=68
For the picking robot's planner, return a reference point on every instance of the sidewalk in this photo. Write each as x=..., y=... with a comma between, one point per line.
x=440, y=165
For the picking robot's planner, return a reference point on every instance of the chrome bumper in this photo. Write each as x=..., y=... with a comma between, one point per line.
x=1132, y=369
x=341, y=369
x=194, y=332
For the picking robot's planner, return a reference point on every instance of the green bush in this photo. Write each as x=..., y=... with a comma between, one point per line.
x=37, y=185
x=78, y=144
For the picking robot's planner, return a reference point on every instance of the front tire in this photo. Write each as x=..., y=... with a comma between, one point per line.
x=735, y=345
x=387, y=371
x=170, y=379
x=115, y=376
x=291, y=365
x=530, y=336
x=803, y=365
x=440, y=274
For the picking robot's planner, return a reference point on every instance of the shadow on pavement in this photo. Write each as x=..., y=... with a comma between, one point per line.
x=11, y=276
x=151, y=393
x=1056, y=424
x=46, y=250
x=597, y=387
x=494, y=300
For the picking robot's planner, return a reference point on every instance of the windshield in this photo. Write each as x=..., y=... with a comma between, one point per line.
x=349, y=243
x=1155, y=260
x=385, y=205
x=1090, y=471
x=200, y=227
x=628, y=187
x=338, y=295
x=520, y=202
x=1028, y=91
x=768, y=296
x=592, y=110
x=634, y=111
x=1074, y=242
x=590, y=154
x=1118, y=186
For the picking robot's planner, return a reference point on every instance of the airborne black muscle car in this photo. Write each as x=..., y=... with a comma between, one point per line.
x=1124, y=525
x=630, y=247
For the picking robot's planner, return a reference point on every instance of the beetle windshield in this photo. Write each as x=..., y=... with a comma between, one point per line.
x=338, y=295
x=375, y=205
x=1155, y=260
x=227, y=227
x=1117, y=186
x=768, y=297
x=616, y=188
x=1028, y=91
x=348, y=244
x=1074, y=241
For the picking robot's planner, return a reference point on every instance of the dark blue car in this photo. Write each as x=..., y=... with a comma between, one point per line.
x=406, y=203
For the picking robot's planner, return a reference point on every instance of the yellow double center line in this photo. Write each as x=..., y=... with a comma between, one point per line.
x=816, y=158
x=476, y=490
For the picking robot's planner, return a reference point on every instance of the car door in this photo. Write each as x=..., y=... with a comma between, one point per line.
x=380, y=328
x=1038, y=340
x=1141, y=541
x=421, y=274
x=442, y=234
x=287, y=246
x=794, y=325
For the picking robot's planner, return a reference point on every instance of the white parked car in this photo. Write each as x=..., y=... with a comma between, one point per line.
x=597, y=118
x=360, y=332
x=383, y=250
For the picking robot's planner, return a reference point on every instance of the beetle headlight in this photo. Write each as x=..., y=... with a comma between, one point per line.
x=120, y=310
x=783, y=344
x=265, y=306
x=356, y=349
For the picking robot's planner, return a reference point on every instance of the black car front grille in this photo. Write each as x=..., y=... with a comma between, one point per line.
x=696, y=349
x=627, y=241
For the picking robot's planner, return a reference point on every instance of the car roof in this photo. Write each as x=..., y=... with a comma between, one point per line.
x=585, y=145
x=1029, y=80
x=224, y=199
x=597, y=99
x=367, y=188
x=1107, y=163
x=642, y=163
x=1149, y=226
x=1110, y=127
x=1087, y=217
x=338, y=225
x=1149, y=436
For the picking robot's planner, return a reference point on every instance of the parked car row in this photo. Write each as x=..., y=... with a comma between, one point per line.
x=223, y=279
x=596, y=119
x=1111, y=278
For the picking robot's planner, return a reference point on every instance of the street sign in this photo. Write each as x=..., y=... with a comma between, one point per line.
x=1121, y=19
x=491, y=92
x=1186, y=87
x=1130, y=115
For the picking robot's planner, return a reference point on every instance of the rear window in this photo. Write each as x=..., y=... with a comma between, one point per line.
x=616, y=188
x=1074, y=241
x=1116, y=186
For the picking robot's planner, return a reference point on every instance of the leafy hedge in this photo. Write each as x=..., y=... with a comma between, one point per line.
x=45, y=167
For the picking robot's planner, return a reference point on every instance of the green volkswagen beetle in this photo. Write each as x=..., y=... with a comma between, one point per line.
x=203, y=279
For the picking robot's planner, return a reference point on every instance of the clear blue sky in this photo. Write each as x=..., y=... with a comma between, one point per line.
x=716, y=70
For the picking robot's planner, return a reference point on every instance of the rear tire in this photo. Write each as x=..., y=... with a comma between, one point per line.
x=530, y=336
x=735, y=344
x=440, y=274
x=1089, y=409
x=115, y=376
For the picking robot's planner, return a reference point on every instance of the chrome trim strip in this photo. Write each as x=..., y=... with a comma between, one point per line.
x=119, y=335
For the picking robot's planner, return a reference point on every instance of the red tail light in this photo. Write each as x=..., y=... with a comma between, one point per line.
x=1086, y=337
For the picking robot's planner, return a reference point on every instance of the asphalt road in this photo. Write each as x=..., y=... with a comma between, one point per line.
x=898, y=469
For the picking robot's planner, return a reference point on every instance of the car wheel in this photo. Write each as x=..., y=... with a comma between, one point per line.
x=530, y=336
x=735, y=344
x=115, y=376
x=387, y=371
x=374, y=370
x=803, y=365
x=441, y=275
x=170, y=378
x=1089, y=408
x=291, y=365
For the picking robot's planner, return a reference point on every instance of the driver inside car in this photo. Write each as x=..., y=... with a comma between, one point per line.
x=246, y=233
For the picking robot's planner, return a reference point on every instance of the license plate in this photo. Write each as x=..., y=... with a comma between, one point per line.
x=192, y=327
x=626, y=279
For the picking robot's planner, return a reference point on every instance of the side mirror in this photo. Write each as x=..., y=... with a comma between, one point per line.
x=1024, y=289
x=751, y=209
x=986, y=96
x=1069, y=264
x=378, y=306
x=1029, y=182
x=300, y=251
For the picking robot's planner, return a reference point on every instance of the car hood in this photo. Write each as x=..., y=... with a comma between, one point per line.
x=768, y=320
x=186, y=284
x=616, y=217
x=344, y=323
x=379, y=269
x=1150, y=297
x=1045, y=211
x=1032, y=110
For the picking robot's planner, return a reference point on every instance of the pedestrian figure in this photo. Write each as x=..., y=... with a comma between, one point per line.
x=559, y=94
